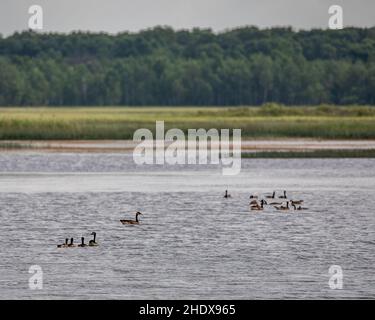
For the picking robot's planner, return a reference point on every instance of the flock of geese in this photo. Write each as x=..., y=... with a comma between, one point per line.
x=93, y=243
x=257, y=203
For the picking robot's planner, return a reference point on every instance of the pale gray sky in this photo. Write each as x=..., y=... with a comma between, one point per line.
x=132, y=15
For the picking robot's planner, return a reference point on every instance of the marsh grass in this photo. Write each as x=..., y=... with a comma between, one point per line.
x=268, y=121
x=13, y=145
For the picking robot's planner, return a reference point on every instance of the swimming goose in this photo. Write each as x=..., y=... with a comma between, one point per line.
x=226, y=194
x=136, y=221
x=82, y=243
x=93, y=243
x=253, y=196
x=299, y=208
x=271, y=197
x=257, y=206
x=70, y=245
x=282, y=207
x=64, y=245
x=253, y=202
x=284, y=196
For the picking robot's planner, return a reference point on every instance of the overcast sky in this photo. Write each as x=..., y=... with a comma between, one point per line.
x=132, y=15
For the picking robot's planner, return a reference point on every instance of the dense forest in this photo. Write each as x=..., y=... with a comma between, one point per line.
x=160, y=66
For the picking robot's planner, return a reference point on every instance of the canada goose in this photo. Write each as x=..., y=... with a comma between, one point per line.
x=70, y=245
x=136, y=221
x=252, y=196
x=257, y=206
x=299, y=208
x=93, y=243
x=271, y=197
x=284, y=196
x=282, y=207
x=82, y=243
x=255, y=203
x=296, y=201
x=227, y=195
x=64, y=245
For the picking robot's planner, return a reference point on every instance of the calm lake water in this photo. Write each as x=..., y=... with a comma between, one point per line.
x=192, y=243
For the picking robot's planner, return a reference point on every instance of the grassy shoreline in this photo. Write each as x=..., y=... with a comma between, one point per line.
x=312, y=154
x=269, y=121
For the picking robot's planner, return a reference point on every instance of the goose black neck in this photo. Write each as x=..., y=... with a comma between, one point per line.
x=94, y=236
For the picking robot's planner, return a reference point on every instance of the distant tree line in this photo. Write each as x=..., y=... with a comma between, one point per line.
x=160, y=66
